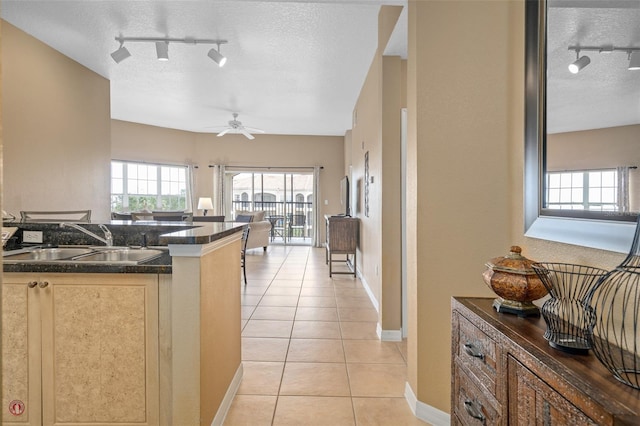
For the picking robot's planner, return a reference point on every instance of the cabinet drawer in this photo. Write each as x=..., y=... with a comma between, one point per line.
x=472, y=406
x=532, y=401
x=478, y=353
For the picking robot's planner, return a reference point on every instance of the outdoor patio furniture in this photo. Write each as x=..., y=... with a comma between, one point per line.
x=278, y=227
x=297, y=222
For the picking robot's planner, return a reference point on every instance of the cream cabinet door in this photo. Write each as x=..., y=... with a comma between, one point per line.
x=21, y=404
x=100, y=349
x=79, y=348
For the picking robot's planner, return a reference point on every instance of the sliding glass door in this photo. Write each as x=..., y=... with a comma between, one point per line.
x=285, y=197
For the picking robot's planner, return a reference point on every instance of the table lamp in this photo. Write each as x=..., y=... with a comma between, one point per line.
x=205, y=203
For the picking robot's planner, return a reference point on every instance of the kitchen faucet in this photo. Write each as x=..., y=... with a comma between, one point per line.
x=108, y=237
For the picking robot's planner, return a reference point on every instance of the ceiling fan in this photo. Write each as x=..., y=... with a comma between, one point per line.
x=235, y=126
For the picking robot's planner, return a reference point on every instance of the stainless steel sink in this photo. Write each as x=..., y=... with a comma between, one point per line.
x=119, y=255
x=47, y=254
x=98, y=255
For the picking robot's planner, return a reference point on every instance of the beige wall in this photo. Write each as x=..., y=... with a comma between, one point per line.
x=56, y=132
x=595, y=149
x=459, y=102
x=377, y=131
x=465, y=167
x=393, y=92
x=132, y=141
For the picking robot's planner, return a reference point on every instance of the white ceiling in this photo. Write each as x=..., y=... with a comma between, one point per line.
x=294, y=67
x=605, y=93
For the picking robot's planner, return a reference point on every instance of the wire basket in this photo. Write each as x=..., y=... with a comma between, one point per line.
x=615, y=302
x=565, y=312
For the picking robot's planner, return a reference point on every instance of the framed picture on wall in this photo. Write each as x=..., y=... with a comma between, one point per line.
x=366, y=184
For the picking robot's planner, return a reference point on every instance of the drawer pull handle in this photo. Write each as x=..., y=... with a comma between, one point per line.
x=473, y=351
x=474, y=409
x=32, y=284
x=43, y=284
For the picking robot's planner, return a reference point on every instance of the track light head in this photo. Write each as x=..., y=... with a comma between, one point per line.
x=217, y=57
x=121, y=54
x=579, y=63
x=634, y=60
x=162, y=49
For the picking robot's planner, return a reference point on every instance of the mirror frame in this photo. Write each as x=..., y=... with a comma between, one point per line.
x=588, y=229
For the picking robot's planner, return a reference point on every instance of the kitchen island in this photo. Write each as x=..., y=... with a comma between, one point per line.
x=145, y=344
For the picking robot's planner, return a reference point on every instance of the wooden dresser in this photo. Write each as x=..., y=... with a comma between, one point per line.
x=504, y=372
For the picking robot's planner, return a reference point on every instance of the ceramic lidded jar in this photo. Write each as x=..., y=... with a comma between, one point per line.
x=513, y=279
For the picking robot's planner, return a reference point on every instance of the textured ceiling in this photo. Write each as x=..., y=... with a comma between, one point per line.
x=294, y=67
x=605, y=93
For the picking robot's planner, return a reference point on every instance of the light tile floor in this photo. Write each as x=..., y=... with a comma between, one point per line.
x=310, y=350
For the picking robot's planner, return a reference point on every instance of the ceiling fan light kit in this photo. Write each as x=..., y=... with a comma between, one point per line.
x=633, y=55
x=162, y=47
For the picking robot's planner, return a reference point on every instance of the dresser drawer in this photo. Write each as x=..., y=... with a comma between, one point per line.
x=478, y=353
x=472, y=406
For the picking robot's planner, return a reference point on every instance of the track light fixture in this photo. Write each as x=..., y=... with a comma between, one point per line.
x=217, y=57
x=162, y=50
x=121, y=54
x=633, y=55
x=579, y=63
x=162, y=47
x=634, y=60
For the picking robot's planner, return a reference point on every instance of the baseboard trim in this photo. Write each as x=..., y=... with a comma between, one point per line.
x=369, y=292
x=218, y=420
x=388, y=335
x=423, y=411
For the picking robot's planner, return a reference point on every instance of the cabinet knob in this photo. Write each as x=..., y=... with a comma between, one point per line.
x=32, y=284
x=474, y=409
x=472, y=350
x=43, y=284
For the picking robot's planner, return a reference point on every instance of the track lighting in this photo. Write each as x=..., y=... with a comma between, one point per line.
x=162, y=50
x=634, y=61
x=121, y=54
x=633, y=54
x=162, y=47
x=579, y=63
x=217, y=57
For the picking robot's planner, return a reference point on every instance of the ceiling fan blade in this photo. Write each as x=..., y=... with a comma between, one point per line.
x=254, y=130
x=247, y=134
x=224, y=132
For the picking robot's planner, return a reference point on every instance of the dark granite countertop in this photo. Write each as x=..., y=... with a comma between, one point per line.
x=179, y=233
x=204, y=233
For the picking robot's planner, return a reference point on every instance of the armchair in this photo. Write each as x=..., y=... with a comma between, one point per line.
x=260, y=229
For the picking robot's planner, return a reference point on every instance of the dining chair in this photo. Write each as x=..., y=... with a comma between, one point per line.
x=244, y=218
x=243, y=251
x=30, y=216
x=208, y=218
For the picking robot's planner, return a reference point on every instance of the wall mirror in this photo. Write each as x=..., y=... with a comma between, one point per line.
x=582, y=126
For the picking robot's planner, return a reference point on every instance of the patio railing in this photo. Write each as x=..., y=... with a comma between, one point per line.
x=282, y=208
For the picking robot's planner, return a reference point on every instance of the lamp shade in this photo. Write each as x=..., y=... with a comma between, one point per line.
x=205, y=203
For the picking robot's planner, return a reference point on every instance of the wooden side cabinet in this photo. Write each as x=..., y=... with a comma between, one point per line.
x=342, y=239
x=503, y=371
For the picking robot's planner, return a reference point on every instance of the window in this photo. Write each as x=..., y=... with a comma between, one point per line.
x=583, y=190
x=153, y=187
